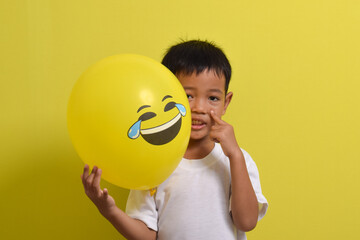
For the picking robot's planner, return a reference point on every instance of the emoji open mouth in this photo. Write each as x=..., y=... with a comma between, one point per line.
x=164, y=133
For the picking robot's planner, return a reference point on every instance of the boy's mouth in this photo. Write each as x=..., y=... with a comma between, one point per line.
x=197, y=124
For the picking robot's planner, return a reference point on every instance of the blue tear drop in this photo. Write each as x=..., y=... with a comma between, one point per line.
x=181, y=108
x=134, y=131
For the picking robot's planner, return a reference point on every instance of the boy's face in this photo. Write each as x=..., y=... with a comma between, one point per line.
x=206, y=92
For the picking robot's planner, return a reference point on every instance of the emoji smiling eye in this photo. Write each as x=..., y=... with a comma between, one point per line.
x=169, y=106
x=147, y=116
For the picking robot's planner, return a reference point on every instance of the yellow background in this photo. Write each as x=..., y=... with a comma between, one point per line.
x=296, y=81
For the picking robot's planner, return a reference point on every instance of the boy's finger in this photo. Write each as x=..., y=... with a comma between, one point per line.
x=97, y=178
x=214, y=138
x=106, y=193
x=85, y=173
x=215, y=117
x=90, y=179
x=213, y=134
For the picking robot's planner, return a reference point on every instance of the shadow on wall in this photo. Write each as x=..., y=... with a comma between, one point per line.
x=43, y=198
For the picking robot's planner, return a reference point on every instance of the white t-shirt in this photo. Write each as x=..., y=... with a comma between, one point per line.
x=194, y=202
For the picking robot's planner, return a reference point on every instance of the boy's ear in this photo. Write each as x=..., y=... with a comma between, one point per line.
x=228, y=98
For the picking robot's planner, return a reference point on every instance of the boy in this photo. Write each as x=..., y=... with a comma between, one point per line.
x=215, y=191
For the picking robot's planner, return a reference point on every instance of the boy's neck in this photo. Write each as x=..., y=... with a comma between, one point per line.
x=198, y=149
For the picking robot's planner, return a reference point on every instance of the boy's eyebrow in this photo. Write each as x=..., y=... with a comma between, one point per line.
x=216, y=90
x=210, y=90
x=167, y=96
x=142, y=107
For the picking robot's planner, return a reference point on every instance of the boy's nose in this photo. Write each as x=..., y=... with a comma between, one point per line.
x=198, y=106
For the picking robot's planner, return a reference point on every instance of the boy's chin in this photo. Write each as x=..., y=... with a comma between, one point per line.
x=198, y=137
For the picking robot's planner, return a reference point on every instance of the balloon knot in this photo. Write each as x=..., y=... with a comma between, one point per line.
x=152, y=191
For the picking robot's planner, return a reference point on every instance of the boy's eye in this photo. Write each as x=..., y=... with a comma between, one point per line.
x=169, y=106
x=214, y=99
x=147, y=116
x=188, y=96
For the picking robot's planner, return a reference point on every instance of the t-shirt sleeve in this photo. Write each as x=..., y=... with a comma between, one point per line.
x=141, y=205
x=255, y=181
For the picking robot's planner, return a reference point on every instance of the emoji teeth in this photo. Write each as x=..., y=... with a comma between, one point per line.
x=161, y=127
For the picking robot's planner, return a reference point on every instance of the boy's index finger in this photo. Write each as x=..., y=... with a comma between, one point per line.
x=215, y=117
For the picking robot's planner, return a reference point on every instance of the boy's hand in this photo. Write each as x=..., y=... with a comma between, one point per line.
x=223, y=133
x=101, y=198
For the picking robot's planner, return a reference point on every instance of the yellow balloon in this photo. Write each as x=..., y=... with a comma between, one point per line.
x=130, y=116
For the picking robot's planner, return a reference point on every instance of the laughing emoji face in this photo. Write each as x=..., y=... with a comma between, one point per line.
x=130, y=116
x=162, y=132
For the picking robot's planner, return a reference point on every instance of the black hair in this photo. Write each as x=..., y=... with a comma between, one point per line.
x=197, y=56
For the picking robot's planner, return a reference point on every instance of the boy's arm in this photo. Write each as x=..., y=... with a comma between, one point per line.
x=244, y=204
x=130, y=228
